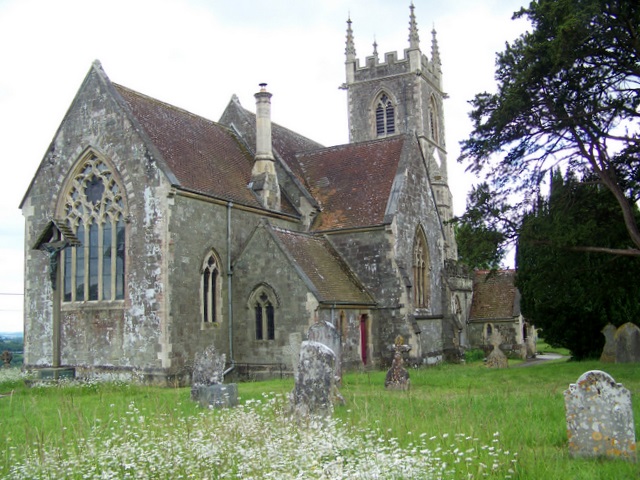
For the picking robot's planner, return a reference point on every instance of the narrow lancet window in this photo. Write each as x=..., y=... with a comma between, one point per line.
x=263, y=302
x=421, y=268
x=210, y=289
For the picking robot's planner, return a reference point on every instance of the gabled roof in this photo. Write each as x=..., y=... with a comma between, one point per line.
x=328, y=276
x=203, y=156
x=353, y=182
x=285, y=143
x=495, y=296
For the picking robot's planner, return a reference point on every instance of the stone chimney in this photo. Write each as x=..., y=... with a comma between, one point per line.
x=264, y=181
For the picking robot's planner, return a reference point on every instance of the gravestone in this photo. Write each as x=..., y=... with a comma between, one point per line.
x=627, y=339
x=206, y=382
x=326, y=333
x=497, y=358
x=315, y=382
x=599, y=418
x=293, y=350
x=609, y=350
x=397, y=377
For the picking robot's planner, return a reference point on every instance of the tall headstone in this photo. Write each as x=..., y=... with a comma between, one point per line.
x=293, y=349
x=627, y=339
x=315, y=381
x=599, y=418
x=609, y=351
x=326, y=333
x=206, y=381
x=397, y=377
x=497, y=358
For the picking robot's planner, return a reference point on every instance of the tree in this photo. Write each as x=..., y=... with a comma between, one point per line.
x=481, y=244
x=572, y=294
x=568, y=95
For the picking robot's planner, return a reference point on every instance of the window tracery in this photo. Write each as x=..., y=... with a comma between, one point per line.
x=385, y=116
x=94, y=209
x=211, y=289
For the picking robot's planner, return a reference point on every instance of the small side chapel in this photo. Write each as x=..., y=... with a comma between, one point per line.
x=153, y=233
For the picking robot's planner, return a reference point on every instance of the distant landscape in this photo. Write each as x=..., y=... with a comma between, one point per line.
x=13, y=342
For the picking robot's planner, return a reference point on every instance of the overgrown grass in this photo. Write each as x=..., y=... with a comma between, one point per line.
x=544, y=347
x=456, y=421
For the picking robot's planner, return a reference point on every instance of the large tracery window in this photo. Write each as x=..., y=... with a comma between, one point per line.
x=210, y=289
x=421, y=268
x=94, y=209
x=385, y=117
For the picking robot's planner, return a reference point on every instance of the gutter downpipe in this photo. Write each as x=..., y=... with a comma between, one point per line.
x=229, y=294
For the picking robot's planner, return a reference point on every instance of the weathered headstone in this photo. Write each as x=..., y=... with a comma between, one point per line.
x=627, y=339
x=6, y=357
x=315, y=381
x=609, y=350
x=293, y=349
x=599, y=418
x=397, y=377
x=206, y=382
x=497, y=358
x=326, y=333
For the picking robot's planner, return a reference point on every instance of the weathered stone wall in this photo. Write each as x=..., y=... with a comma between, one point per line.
x=263, y=262
x=197, y=227
x=347, y=323
x=409, y=93
x=131, y=328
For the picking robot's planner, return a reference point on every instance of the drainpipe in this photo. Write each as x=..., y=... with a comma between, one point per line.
x=229, y=294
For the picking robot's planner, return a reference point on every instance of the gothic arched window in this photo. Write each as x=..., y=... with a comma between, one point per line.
x=211, y=289
x=421, y=268
x=94, y=208
x=385, y=116
x=263, y=302
x=433, y=120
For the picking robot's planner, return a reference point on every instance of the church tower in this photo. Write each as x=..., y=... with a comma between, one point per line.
x=402, y=96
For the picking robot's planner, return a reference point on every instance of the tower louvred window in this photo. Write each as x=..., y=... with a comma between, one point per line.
x=385, y=117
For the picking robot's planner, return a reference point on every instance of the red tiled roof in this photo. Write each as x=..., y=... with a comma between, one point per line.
x=204, y=156
x=495, y=295
x=352, y=182
x=325, y=269
x=285, y=143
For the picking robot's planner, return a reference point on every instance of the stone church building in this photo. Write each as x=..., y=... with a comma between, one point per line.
x=153, y=233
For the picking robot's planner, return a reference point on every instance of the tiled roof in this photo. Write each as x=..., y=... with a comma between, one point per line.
x=204, y=156
x=495, y=295
x=352, y=182
x=285, y=143
x=325, y=269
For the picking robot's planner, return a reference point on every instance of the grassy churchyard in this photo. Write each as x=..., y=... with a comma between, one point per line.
x=456, y=421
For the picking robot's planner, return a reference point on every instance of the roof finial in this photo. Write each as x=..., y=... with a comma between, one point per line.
x=435, y=51
x=375, y=47
x=350, y=51
x=414, y=39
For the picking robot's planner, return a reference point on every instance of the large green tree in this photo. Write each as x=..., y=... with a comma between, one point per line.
x=479, y=232
x=571, y=293
x=568, y=95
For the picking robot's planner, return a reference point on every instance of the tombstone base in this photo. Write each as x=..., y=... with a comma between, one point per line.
x=216, y=396
x=56, y=373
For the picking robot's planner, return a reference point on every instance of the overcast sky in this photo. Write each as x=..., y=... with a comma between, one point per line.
x=196, y=54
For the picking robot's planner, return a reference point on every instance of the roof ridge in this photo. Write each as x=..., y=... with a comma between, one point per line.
x=342, y=146
x=168, y=105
